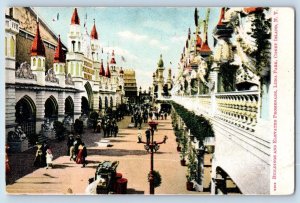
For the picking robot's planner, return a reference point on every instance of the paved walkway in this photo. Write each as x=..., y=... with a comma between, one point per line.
x=68, y=177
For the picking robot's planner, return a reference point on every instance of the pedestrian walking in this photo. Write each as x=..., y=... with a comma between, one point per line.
x=116, y=130
x=49, y=158
x=70, y=143
x=82, y=154
x=40, y=157
x=148, y=135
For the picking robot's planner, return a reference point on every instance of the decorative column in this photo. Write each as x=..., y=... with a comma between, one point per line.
x=77, y=106
x=61, y=105
x=40, y=110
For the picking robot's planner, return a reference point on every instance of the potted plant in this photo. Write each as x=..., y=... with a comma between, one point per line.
x=192, y=169
x=183, y=152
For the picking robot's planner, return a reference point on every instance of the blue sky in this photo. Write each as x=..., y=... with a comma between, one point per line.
x=138, y=34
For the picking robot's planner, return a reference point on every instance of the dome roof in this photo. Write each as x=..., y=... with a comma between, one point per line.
x=160, y=62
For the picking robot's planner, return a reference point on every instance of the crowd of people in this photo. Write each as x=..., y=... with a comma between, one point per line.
x=142, y=113
x=107, y=126
x=76, y=150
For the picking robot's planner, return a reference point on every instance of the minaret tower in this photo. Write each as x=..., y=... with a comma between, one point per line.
x=75, y=35
x=95, y=45
x=75, y=52
x=59, y=63
x=38, y=57
x=169, y=80
x=113, y=68
x=160, y=76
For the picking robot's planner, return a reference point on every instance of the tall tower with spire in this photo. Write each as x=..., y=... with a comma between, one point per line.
x=160, y=76
x=75, y=52
x=95, y=45
x=38, y=57
x=75, y=35
x=113, y=68
x=169, y=79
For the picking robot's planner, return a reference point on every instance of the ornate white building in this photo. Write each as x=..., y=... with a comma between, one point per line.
x=76, y=84
x=229, y=85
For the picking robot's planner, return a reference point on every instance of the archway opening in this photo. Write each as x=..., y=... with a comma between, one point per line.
x=224, y=183
x=100, y=104
x=69, y=108
x=89, y=92
x=51, y=109
x=85, y=108
x=26, y=115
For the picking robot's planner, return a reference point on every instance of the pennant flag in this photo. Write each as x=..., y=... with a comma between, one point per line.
x=56, y=18
x=196, y=17
x=123, y=59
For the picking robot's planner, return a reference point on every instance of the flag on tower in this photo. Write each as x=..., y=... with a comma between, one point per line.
x=56, y=18
x=123, y=59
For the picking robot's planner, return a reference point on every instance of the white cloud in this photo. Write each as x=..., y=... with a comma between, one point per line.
x=120, y=52
x=158, y=25
x=133, y=36
x=142, y=38
x=178, y=39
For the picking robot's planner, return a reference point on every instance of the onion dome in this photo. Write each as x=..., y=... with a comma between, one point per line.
x=37, y=47
x=94, y=34
x=253, y=9
x=107, y=72
x=112, y=60
x=59, y=56
x=121, y=71
x=160, y=62
x=102, y=71
x=75, y=19
x=222, y=16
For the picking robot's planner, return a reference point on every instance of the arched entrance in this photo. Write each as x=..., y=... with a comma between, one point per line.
x=89, y=92
x=106, y=103
x=85, y=108
x=69, y=107
x=111, y=102
x=51, y=109
x=100, y=104
x=26, y=115
x=224, y=184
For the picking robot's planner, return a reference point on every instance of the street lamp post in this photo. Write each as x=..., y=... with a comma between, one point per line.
x=152, y=147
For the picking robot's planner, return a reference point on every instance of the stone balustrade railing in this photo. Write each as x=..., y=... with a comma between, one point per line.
x=238, y=108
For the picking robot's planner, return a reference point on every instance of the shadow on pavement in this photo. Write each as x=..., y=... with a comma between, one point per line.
x=133, y=191
x=119, y=152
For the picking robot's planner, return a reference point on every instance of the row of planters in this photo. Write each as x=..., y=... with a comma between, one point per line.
x=199, y=127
